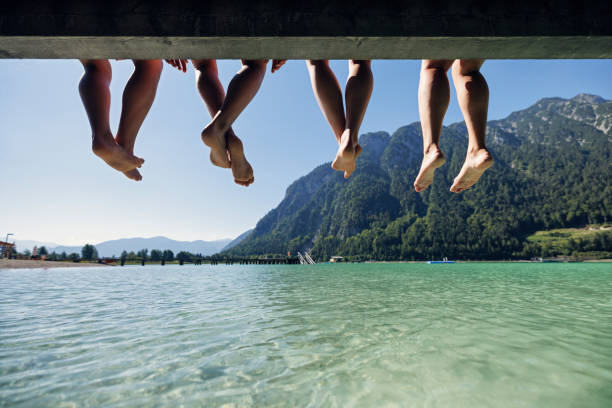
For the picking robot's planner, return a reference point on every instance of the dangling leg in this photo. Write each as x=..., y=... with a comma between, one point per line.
x=240, y=92
x=328, y=94
x=94, y=88
x=473, y=96
x=211, y=91
x=434, y=96
x=359, y=87
x=138, y=97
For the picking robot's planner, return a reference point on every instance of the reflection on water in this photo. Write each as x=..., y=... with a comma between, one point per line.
x=460, y=335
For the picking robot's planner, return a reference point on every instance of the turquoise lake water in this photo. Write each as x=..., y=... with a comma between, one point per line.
x=367, y=335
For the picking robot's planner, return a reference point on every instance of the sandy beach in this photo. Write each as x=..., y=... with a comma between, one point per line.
x=32, y=263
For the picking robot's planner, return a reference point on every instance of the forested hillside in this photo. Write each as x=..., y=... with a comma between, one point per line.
x=552, y=170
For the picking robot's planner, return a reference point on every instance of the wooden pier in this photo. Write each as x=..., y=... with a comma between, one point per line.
x=256, y=261
x=215, y=261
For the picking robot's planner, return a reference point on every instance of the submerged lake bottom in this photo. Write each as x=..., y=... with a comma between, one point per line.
x=459, y=335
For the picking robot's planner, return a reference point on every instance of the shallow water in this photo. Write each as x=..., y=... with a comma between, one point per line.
x=462, y=335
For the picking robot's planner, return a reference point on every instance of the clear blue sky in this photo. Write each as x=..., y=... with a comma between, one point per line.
x=54, y=189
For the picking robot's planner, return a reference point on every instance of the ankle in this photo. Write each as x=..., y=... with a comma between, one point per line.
x=125, y=143
x=128, y=147
x=476, y=150
x=339, y=137
x=431, y=148
x=100, y=144
x=220, y=125
x=349, y=137
x=101, y=137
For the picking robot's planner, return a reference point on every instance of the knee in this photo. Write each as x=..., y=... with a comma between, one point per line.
x=156, y=66
x=256, y=65
x=471, y=86
x=434, y=74
x=206, y=67
x=435, y=70
x=360, y=68
x=97, y=66
x=436, y=65
x=466, y=67
x=317, y=64
x=152, y=68
x=360, y=63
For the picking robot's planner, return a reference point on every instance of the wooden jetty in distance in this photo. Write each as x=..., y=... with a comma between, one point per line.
x=290, y=260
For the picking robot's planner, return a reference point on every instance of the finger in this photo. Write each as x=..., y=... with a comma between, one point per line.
x=176, y=64
x=277, y=64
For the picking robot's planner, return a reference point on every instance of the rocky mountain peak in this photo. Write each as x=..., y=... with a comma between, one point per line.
x=588, y=98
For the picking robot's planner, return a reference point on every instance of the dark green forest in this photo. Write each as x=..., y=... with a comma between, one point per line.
x=552, y=170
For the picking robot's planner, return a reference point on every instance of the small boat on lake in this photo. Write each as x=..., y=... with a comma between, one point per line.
x=443, y=261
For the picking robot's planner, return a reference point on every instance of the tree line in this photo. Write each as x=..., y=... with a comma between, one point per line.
x=90, y=253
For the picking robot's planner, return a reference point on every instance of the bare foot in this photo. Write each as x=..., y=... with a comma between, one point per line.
x=106, y=148
x=346, y=156
x=133, y=174
x=431, y=161
x=475, y=164
x=215, y=139
x=241, y=169
x=358, y=151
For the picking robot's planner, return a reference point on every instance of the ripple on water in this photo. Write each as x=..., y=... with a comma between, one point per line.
x=327, y=335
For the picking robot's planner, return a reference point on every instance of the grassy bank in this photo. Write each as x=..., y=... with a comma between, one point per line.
x=592, y=241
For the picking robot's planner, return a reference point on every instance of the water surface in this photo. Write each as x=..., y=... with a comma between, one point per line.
x=462, y=335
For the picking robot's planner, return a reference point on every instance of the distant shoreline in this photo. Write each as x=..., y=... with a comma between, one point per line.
x=37, y=264
x=8, y=264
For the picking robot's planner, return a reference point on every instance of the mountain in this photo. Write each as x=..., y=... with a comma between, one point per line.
x=115, y=247
x=552, y=170
x=237, y=240
x=23, y=244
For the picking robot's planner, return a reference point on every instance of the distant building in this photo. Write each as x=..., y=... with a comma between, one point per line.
x=336, y=259
x=6, y=248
